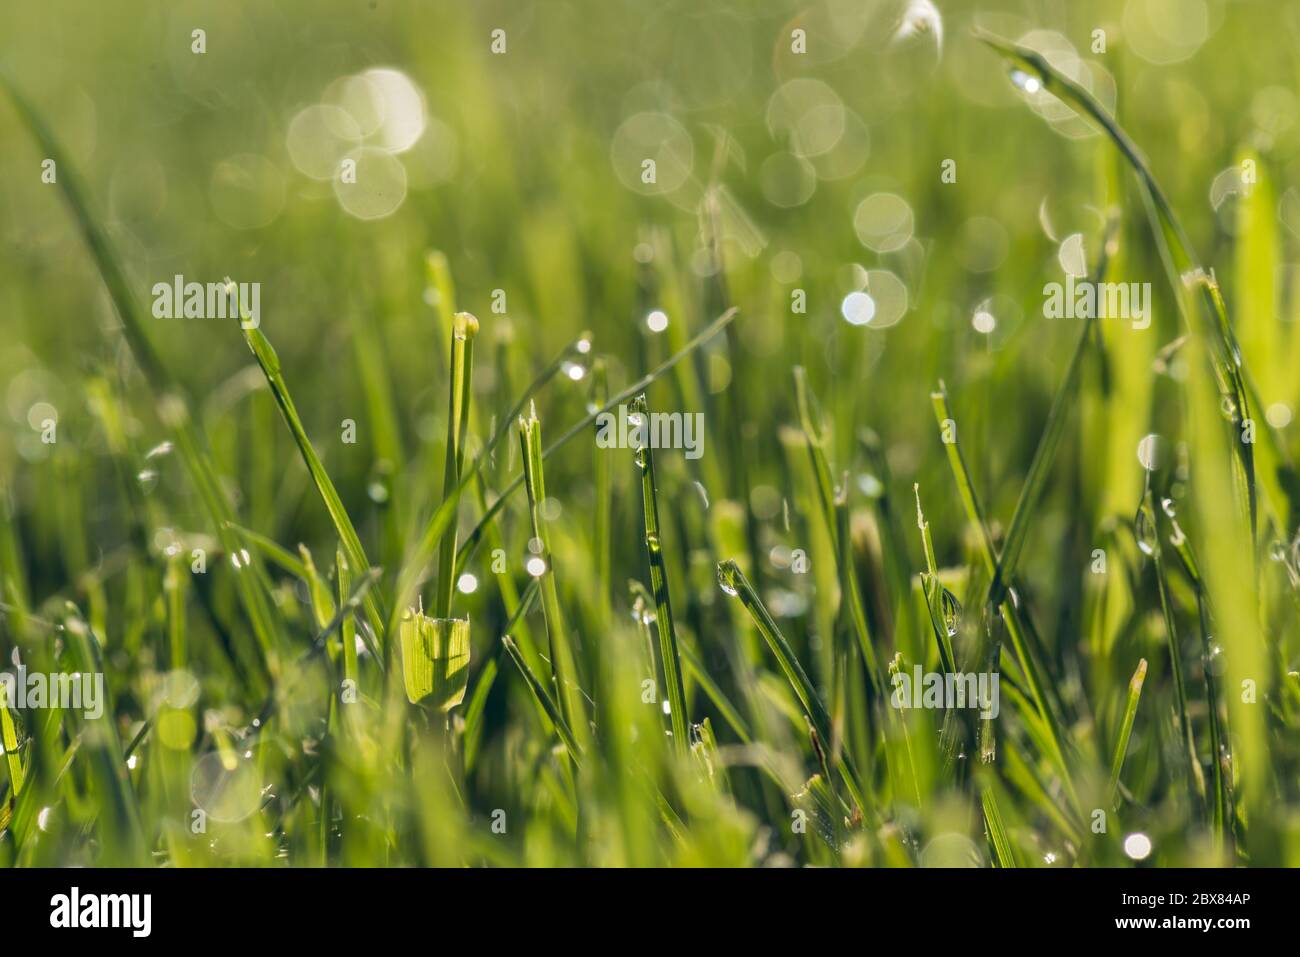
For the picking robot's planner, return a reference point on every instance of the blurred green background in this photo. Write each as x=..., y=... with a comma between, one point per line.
x=819, y=171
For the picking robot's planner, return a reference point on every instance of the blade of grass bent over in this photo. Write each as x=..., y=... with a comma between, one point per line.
x=1183, y=268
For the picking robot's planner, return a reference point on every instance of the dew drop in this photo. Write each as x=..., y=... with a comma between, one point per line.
x=725, y=579
x=1026, y=81
x=1144, y=528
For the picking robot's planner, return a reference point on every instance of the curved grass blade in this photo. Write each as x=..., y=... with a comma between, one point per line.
x=1184, y=270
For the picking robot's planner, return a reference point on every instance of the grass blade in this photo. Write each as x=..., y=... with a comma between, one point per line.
x=269, y=362
x=1126, y=729
x=670, y=659
x=564, y=669
x=544, y=699
x=464, y=329
x=734, y=583
x=831, y=508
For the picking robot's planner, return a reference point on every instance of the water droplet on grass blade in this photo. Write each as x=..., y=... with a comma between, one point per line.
x=1144, y=529
x=951, y=612
x=1025, y=81
x=727, y=577
x=1148, y=452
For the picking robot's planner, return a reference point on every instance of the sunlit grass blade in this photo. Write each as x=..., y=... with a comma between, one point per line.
x=1004, y=854
x=435, y=659
x=464, y=330
x=1126, y=729
x=9, y=738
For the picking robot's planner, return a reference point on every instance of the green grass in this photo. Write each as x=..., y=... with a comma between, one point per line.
x=671, y=661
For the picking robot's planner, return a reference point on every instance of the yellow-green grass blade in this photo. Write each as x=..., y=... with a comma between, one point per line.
x=435, y=659
x=1004, y=854
x=464, y=330
x=1126, y=729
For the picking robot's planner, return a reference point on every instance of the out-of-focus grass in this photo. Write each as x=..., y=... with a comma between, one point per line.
x=202, y=529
